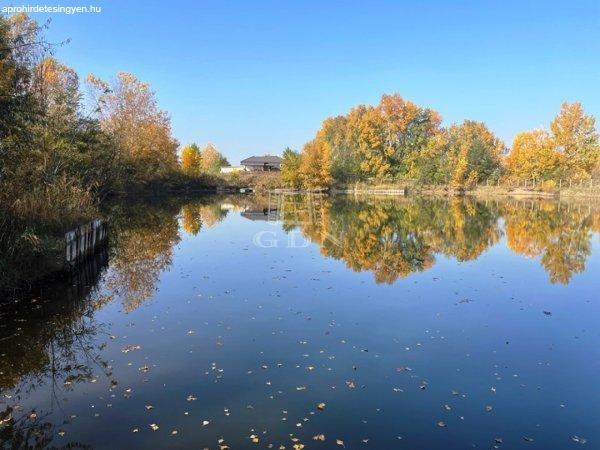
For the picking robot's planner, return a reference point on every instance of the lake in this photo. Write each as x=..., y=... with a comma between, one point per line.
x=315, y=322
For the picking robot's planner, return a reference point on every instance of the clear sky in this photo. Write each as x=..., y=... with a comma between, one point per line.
x=255, y=76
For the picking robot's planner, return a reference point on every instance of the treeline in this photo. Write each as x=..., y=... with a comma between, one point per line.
x=59, y=154
x=399, y=140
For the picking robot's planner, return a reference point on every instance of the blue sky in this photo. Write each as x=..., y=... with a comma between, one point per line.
x=255, y=76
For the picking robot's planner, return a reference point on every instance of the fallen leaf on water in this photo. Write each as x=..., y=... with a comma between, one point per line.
x=130, y=348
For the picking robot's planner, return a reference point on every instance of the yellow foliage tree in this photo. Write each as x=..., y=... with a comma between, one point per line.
x=575, y=136
x=534, y=156
x=473, y=153
x=129, y=112
x=315, y=164
x=290, y=168
x=374, y=154
x=212, y=160
x=191, y=160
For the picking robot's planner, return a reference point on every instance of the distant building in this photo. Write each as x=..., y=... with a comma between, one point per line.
x=266, y=163
x=232, y=169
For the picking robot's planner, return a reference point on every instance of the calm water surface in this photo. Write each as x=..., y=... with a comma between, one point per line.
x=257, y=322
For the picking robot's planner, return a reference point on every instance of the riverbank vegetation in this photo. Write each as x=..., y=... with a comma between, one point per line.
x=61, y=152
x=399, y=141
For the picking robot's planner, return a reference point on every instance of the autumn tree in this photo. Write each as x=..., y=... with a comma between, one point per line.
x=212, y=160
x=570, y=149
x=473, y=154
x=129, y=113
x=533, y=156
x=191, y=160
x=368, y=133
x=377, y=141
x=315, y=164
x=575, y=136
x=290, y=168
x=408, y=128
x=345, y=164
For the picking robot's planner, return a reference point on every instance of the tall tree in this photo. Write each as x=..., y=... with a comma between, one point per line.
x=474, y=153
x=191, y=160
x=575, y=136
x=534, y=156
x=315, y=164
x=290, y=168
x=129, y=112
x=408, y=127
x=212, y=160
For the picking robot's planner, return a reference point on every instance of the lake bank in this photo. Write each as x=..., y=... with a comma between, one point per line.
x=449, y=191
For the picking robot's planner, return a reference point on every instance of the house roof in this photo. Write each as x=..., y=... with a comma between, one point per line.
x=266, y=159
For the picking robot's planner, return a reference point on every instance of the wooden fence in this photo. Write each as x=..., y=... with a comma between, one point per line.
x=83, y=240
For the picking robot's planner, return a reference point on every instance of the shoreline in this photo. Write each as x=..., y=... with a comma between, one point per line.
x=448, y=191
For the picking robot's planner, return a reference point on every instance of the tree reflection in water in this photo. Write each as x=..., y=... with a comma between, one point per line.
x=394, y=237
x=49, y=338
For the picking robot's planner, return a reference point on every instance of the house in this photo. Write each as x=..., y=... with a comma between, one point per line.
x=266, y=163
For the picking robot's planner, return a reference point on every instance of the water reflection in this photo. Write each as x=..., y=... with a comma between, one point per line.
x=395, y=237
x=52, y=341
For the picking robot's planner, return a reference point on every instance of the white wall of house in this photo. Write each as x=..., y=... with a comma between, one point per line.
x=232, y=169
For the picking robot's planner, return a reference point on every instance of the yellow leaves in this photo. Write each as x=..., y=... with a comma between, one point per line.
x=211, y=160
x=576, y=137
x=570, y=150
x=533, y=156
x=315, y=164
x=190, y=159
